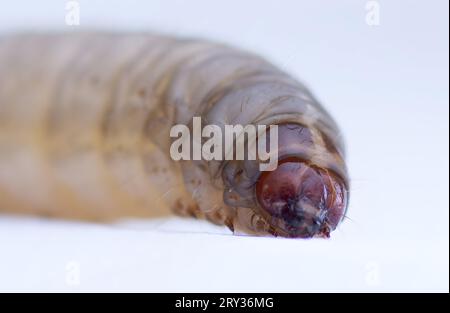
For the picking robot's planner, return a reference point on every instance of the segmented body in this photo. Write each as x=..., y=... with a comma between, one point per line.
x=85, y=118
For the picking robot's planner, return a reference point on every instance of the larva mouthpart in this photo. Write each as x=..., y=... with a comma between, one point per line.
x=85, y=121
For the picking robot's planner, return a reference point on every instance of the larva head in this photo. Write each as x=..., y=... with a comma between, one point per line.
x=305, y=196
x=302, y=198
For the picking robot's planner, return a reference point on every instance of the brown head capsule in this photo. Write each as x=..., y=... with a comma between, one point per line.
x=300, y=198
x=305, y=196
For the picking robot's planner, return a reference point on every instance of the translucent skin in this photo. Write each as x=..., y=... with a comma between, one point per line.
x=85, y=121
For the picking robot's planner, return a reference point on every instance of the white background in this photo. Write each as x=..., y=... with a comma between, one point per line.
x=386, y=85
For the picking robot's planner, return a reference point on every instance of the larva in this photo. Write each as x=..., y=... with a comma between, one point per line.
x=84, y=133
